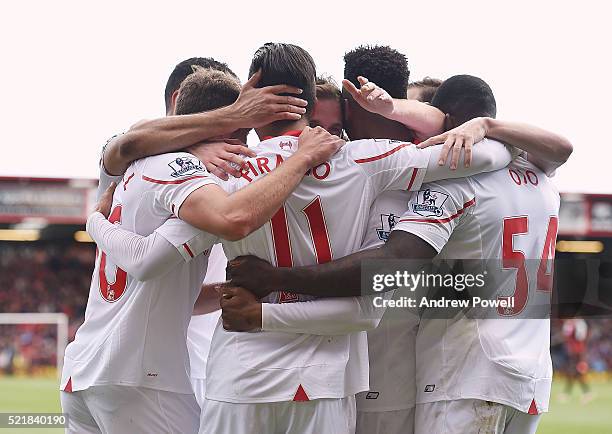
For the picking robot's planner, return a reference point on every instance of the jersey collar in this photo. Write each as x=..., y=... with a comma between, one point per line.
x=294, y=133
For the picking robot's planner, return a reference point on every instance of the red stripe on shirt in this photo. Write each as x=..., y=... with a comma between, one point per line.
x=446, y=220
x=188, y=249
x=381, y=156
x=412, y=178
x=177, y=181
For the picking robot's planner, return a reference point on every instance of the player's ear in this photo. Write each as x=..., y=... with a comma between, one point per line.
x=449, y=122
x=172, y=108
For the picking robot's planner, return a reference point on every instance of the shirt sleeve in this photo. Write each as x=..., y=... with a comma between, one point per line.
x=389, y=164
x=436, y=210
x=487, y=156
x=173, y=177
x=332, y=316
x=106, y=178
x=186, y=239
x=144, y=258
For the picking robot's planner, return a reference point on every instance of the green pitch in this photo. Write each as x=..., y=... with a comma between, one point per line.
x=571, y=417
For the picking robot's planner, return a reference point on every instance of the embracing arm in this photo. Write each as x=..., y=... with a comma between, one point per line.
x=339, y=278
x=235, y=216
x=144, y=258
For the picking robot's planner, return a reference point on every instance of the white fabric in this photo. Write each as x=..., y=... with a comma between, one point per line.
x=386, y=422
x=199, y=390
x=271, y=366
x=501, y=360
x=330, y=316
x=320, y=416
x=391, y=346
x=125, y=409
x=472, y=416
x=135, y=332
x=202, y=327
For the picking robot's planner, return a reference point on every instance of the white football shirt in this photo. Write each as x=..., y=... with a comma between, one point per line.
x=510, y=217
x=324, y=218
x=391, y=345
x=135, y=332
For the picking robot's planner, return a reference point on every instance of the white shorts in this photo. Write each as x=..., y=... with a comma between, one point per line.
x=199, y=390
x=386, y=422
x=465, y=416
x=124, y=409
x=318, y=416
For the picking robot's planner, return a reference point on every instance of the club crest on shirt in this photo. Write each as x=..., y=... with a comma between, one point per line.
x=185, y=166
x=429, y=203
x=387, y=223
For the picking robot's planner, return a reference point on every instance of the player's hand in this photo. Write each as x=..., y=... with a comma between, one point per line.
x=106, y=200
x=253, y=273
x=371, y=97
x=256, y=107
x=462, y=137
x=240, y=310
x=318, y=145
x=222, y=158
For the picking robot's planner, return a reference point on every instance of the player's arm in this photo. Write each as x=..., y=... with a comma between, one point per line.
x=208, y=300
x=241, y=311
x=253, y=108
x=424, y=119
x=414, y=239
x=545, y=149
x=144, y=258
x=235, y=216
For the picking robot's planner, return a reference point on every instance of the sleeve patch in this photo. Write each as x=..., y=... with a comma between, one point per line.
x=185, y=166
x=429, y=203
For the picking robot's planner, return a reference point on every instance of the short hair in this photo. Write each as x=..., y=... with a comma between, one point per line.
x=465, y=97
x=184, y=69
x=327, y=88
x=206, y=89
x=427, y=86
x=383, y=65
x=289, y=64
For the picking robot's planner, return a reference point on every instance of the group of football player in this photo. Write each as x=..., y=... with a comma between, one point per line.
x=300, y=344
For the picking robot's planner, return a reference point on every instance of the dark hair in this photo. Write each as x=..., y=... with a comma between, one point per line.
x=383, y=65
x=465, y=97
x=206, y=89
x=427, y=87
x=184, y=69
x=286, y=64
x=327, y=88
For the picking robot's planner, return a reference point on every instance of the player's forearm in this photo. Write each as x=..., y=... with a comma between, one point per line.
x=167, y=134
x=207, y=301
x=334, y=316
x=144, y=258
x=540, y=144
x=251, y=207
x=487, y=156
x=424, y=119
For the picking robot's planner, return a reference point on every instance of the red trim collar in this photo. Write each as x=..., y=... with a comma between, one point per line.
x=294, y=133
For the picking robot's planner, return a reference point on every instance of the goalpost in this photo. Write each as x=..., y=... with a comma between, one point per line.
x=59, y=319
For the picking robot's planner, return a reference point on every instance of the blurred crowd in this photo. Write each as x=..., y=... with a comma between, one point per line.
x=41, y=277
x=55, y=277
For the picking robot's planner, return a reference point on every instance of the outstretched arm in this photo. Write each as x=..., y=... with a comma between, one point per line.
x=339, y=278
x=546, y=149
x=254, y=107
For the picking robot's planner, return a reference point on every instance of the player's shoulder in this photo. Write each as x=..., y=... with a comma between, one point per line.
x=374, y=150
x=172, y=166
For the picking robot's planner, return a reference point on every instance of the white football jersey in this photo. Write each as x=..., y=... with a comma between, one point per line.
x=201, y=327
x=324, y=218
x=391, y=345
x=135, y=332
x=510, y=218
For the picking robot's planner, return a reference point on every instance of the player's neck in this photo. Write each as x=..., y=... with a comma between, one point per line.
x=386, y=129
x=279, y=128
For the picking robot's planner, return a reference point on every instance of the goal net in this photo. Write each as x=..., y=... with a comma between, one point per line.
x=32, y=342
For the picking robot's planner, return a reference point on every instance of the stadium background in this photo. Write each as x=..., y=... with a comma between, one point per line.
x=46, y=260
